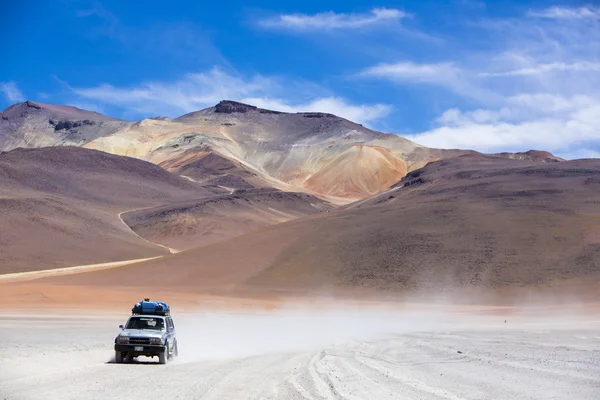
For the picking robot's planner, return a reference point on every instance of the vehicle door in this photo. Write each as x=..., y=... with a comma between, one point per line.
x=170, y=332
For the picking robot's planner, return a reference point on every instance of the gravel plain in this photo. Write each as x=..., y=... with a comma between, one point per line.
x=303, y=354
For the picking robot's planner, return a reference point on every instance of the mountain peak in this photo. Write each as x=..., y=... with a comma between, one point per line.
x=230, y=107
x=27, y=108
x=21, y=109
x=533, y=155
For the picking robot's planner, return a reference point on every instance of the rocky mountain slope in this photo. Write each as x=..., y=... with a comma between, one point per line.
x=290, y=151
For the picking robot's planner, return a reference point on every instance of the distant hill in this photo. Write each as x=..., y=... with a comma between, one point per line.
x=197, y=223
x=469, y=222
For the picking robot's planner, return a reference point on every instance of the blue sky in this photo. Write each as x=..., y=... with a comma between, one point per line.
x=492, y=76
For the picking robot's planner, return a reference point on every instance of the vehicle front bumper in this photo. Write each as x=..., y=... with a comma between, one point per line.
x=147, y=350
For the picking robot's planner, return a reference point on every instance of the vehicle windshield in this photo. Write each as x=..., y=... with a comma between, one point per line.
x=145, y=323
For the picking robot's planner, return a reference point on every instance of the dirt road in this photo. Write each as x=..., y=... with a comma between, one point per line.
x=303, y=355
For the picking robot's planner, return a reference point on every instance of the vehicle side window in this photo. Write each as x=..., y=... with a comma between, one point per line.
x=170, y=322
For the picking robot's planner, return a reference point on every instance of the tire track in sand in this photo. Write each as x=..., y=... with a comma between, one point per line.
x=171, y=250
x=31, y=275
x=78, y=269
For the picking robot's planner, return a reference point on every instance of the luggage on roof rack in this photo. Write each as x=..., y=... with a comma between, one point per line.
x=151, y=308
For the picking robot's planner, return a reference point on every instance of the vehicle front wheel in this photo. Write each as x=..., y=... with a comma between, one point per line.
x=162, y=357
x=118, y=357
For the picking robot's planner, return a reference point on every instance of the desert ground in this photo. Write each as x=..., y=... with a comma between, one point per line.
x=299, y=352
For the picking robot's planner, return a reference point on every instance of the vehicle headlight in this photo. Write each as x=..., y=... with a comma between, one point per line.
x=155, y=340
x=123, y=339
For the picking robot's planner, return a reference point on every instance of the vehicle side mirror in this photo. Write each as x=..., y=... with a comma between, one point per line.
x=120, y=326
x=170, y=329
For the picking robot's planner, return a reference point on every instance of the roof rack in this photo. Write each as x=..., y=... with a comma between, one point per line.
x=148, y=307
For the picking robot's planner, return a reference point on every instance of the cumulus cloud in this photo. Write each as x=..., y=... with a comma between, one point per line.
x=200, y=90
x=331, y=20
x=564, y=127
x=567, y=13
x=11, y=92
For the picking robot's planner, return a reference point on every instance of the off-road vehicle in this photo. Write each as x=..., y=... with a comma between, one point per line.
x=149, y=332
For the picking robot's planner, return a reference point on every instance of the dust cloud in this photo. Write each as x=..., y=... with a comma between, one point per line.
x=214, y=335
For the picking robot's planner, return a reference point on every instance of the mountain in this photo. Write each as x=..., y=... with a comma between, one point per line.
x=294, y=151
x=240, y=146
x=31, y=124
x=255, y=189
x=470, y=222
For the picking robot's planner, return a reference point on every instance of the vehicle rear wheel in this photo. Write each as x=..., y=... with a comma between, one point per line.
x=118, y=357
x=162, y=357
x=175, y=351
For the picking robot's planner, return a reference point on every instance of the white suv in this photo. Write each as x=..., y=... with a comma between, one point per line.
x=146, y=335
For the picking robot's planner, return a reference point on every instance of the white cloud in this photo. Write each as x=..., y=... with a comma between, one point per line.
x=582, y=66
x=409, y=71
x=566, y=127
x=331, y=20
x=201, y=90
x=567, y=13
x=550, y=103
x=446, y=74
x=548, y=97
x=579, y=154
x=87, y=106
x=362, y=113
x=11, y=92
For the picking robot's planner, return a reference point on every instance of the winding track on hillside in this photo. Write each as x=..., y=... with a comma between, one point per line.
x=78, y=269
x=171, y=250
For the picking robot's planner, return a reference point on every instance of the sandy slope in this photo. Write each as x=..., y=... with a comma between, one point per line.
x=458, y=225
x=302, y=355
x=59, y=206
x=197, y=223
